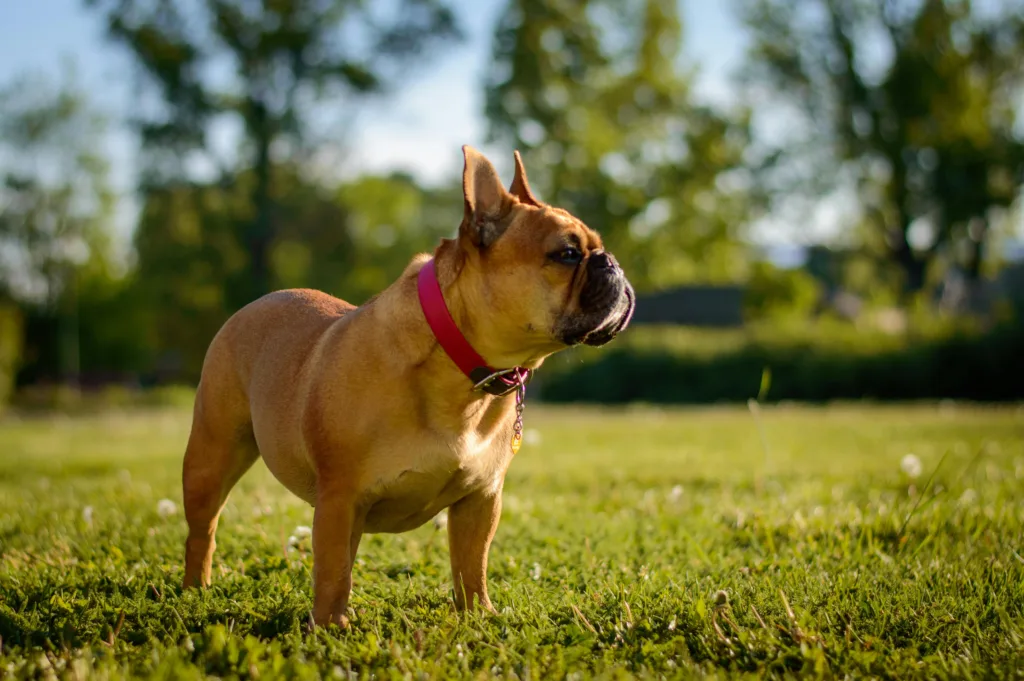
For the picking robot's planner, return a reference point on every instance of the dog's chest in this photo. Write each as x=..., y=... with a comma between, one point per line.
x=418, y=477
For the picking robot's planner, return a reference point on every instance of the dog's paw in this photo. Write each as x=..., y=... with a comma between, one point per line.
x=335, y=622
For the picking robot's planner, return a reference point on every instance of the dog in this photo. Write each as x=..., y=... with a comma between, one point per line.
x=381, y=416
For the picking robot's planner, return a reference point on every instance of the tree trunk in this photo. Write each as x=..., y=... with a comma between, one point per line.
x=68, y=337
x=912, y=265
x=914, y=269
x=259, y=235
x=976, y=256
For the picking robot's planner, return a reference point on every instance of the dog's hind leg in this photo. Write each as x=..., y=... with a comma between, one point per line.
x=220, y=450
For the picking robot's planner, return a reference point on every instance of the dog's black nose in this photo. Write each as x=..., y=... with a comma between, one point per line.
x=602, y=260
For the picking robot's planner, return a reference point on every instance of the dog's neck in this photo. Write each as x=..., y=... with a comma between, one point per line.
x=452, y=402
x=501, y=346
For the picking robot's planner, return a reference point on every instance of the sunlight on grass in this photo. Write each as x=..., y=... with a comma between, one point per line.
x=641, y=541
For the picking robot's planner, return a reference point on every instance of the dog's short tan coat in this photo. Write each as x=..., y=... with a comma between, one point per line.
x=358, y=411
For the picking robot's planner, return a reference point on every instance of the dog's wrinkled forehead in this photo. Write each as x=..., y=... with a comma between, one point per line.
x=562, y=223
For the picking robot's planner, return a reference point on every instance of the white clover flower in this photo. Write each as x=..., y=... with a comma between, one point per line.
x=441, y=520
x=535, y=572
x=87, y=515
x=532, y=437
x=303, y=531
x=166, y=507
x=676, y=494
x=911, y=465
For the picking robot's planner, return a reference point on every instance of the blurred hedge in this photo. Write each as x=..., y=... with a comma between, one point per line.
x=11, y=334
x=56, y=398
x=820, y=362
x=829, y=362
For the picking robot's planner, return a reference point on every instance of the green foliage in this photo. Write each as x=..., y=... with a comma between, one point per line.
x=56, y=208
x=698, y=555
x=284, y=58
x=352, y=242
x=54, y=189
x=115, y=330
x=391, y=219
x=35, y=400
x=915, y=104
x=11, y=340
x=191, y=270
x=823, y=362
x=205, y=249
x=594, y=97
x=598, y=97
x=777, y=293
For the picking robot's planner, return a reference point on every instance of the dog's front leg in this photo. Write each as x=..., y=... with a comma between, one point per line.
x=472, y=522
x=337, y=528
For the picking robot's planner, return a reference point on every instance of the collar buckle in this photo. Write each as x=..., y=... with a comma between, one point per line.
x=501, y=382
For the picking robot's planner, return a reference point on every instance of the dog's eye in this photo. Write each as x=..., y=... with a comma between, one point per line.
x=568, y=256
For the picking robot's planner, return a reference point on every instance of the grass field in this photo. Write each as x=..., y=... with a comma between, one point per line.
x=637, y=543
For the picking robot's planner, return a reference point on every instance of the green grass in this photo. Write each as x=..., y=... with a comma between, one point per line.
x=634, y=543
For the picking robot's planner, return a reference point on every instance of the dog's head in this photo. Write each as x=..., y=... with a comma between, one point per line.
x=544, y=271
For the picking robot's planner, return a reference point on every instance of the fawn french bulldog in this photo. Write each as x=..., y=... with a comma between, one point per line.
x=382, y=415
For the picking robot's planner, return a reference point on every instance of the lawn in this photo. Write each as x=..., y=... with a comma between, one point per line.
x=633, y=543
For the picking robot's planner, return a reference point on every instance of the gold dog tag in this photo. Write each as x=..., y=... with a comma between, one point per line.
x=517, y=440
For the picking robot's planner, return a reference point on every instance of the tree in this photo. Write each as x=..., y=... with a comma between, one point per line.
x=272, y=65
x=594, y=96
x=190, y=270
x=391, y=219
x=352, y=241
x=56, y=206
x=912, y=103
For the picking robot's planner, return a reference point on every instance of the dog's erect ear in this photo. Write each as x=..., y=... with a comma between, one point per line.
x=521, y=186
x=487, y=203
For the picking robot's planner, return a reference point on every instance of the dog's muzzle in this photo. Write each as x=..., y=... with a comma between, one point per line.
x=606, y=303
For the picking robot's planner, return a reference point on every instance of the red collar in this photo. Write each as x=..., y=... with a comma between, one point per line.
x=455, y=345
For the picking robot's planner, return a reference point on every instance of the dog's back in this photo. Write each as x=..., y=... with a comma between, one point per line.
x=281, y=327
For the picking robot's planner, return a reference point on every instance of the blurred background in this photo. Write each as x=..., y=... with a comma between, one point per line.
x=816, y=199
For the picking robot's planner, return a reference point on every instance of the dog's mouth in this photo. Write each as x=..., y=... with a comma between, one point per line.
x=617, y=321
x=596, y=329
